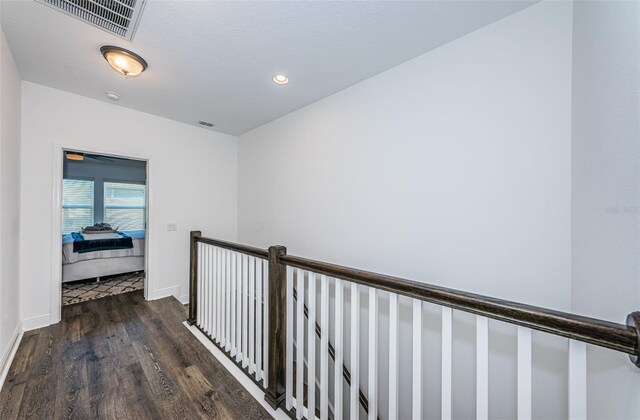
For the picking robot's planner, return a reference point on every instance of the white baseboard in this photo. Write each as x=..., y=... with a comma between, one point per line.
x=184, y=299
x=247, y=383
x=166, y=292
x=36, y=322
x=9, y=353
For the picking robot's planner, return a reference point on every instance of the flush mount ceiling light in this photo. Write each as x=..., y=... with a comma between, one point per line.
x=280, y=79
x=75, y=156
x=123, y=61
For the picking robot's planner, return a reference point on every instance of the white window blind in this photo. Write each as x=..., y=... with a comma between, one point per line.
x=124, y=205
x=77, y=204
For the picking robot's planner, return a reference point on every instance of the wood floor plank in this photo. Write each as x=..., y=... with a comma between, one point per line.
x=41, y=384
x=17, y=376
x=10, y=404
x=139, y=398
x=23, y=354
x=201, y=392
x=75, y=401
x=121, y=357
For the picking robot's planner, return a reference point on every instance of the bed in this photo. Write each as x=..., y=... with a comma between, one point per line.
x=87, y=264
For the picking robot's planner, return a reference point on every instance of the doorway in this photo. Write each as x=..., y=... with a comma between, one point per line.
x=101, y=213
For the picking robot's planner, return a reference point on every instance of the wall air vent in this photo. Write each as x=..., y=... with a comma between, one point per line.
x=119, y=17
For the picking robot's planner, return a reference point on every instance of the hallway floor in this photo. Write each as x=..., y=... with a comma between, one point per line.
x=121, y=357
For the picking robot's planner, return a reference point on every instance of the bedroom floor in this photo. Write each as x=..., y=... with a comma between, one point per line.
x=115, y=285
x=123, y=358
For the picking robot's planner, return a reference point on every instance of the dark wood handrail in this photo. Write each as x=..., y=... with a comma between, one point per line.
x=619, y=337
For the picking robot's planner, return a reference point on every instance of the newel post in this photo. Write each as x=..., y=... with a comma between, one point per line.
x=193, y=276
x=277, y=327
x=633, y=321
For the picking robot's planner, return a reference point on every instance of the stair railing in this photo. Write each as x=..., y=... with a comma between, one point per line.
x=248, y=311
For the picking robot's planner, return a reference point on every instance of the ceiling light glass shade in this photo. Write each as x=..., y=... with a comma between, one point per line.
x=124, y=61
x=75, y=156
x=280, y=79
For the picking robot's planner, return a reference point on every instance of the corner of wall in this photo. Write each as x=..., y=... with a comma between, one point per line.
x=175, y=291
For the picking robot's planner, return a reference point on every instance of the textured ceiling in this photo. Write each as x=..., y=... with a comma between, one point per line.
x=213, y=61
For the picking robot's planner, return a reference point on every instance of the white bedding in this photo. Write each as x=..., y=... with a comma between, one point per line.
x=95, y=236
x=90, y=269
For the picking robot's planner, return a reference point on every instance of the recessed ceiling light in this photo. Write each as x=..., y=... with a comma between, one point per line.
x=123, y=61
x=280, y=79
x=112, y=96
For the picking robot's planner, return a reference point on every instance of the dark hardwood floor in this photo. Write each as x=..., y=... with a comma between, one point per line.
x=121, y=357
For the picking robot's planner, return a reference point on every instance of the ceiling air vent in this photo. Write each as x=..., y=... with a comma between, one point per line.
x=119, y=17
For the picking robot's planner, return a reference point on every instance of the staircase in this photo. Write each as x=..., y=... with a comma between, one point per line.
x=271, y=312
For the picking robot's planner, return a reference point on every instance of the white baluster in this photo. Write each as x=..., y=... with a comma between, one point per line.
x=245, y=311
x=232, y=299
x=222, y=332
x=393, y=356
x=227, y=316
x=416, y=396
x=338, y=366
x=210, y=301
x=373, y=354
x=289, y=349
x=204, y=289
x=311, y=343
x=324, y=348
x=239, y=320
x=355, y=352
x=524, y=373
x=299, y=343
x=482, y=367
x=214, y=295
x=259, y=326
x=217, y=292
x=447, y=321
x=221, y=292
x=265, y=308
x=577, y=380
x=252, y=314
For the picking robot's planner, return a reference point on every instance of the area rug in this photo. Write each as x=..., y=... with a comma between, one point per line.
x=116, y=285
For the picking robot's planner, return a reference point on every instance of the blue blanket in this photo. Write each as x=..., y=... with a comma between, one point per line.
x=81, y=245
x=135, y=234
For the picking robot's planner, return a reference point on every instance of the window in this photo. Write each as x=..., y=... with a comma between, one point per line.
x=77, y=204
x=124, y=205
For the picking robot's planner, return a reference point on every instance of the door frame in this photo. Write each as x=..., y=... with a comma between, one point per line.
x=56, y=224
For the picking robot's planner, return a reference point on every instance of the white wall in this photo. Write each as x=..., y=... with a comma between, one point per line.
x=192, y=182
x=460, y=155
x=9, y=202
x=606, y=189
x=452, y=168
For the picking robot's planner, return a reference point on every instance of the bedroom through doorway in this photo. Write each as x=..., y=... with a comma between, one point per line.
x=104, y=221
